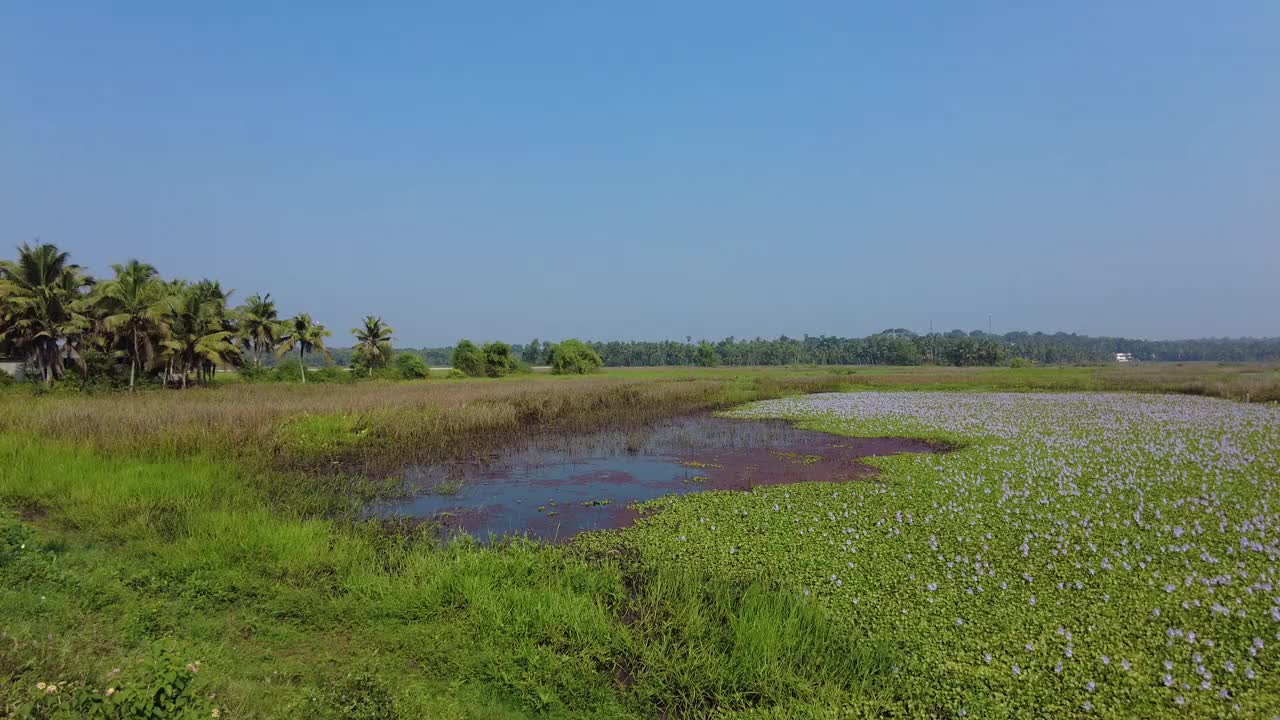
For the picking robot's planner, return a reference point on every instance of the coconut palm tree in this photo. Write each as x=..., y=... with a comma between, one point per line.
x=258, y=325
x=373, y=342
x=135, y=305
x=197, y=339
x=210, y=293
x=307, y=336
x=44, y=307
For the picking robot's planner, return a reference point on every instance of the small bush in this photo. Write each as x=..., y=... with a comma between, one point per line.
x=456, y=374
x=468, y=359
x=100, y=371
x=161, y=687
x=6, y=379
x=1020, y=362
x=574, y=357
x=330, y=374
x=498, y=360
x=253, y=373
x=289, y=370
x=410, y=366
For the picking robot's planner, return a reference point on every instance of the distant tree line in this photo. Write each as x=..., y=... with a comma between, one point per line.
x=899, y=346
x=139, y=327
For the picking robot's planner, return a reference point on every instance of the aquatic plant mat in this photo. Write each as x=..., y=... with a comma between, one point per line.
x=1107, y=555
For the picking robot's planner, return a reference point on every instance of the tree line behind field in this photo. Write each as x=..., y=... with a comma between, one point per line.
x=901, y=347
x=136, y=326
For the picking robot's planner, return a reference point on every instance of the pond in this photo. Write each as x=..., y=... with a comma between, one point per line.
x=556, y=487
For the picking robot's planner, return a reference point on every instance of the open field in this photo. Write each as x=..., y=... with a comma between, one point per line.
x=217, y=523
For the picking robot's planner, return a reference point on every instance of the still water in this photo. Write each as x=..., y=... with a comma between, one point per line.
x=554, y=488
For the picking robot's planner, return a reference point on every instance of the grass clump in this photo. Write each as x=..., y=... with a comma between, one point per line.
x=702, y=646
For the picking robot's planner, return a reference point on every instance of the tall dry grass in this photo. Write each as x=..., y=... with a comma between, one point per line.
x=377, y=426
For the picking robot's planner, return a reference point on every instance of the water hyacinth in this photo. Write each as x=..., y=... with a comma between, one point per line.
x=1095, y=538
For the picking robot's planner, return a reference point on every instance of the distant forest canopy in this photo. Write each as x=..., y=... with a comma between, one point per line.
x=896, y=346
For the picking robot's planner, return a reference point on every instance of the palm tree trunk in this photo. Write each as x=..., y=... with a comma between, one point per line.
x=133, y=367
x=302, y=363
x=47, y=361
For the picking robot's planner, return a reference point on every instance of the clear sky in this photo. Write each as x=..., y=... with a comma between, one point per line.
x=647, y=170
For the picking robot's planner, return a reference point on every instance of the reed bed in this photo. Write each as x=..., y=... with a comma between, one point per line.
x=377, y=426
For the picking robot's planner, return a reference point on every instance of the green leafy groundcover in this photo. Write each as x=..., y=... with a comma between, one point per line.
x=1084, y=555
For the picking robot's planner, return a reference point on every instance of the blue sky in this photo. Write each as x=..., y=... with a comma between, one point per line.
x=663, y=169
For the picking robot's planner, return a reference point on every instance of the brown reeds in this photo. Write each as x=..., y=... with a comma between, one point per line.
x=376, y=427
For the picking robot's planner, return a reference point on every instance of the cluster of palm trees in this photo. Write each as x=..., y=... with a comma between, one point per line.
x=53, y=313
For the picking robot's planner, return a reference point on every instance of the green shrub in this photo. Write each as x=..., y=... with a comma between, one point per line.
x=330, y=374
x=100, y=371
x=574, y=357
x=498, y=360
x=456, y=374
x=468, y=359
x=6, y=379
x=289, y=370
x=410, y=366
x=254, y=373
x=162, y=686
x=1020, y=362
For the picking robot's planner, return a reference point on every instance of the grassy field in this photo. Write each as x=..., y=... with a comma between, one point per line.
x=217, y=525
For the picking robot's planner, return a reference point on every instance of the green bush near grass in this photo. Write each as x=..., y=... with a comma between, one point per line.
x=574, y=357
x=410, y=366
x=498, y=360
x=468, y=359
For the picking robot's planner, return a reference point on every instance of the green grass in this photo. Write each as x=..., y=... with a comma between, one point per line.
x=121, y=553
